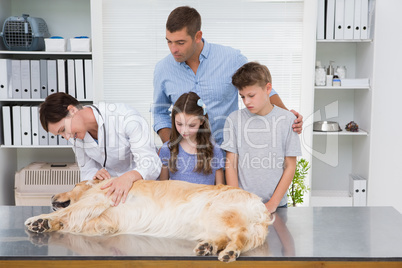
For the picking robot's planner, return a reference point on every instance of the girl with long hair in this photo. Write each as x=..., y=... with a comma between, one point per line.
x=191, y=154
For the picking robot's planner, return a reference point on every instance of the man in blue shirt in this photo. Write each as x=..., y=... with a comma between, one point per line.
x=198, y=66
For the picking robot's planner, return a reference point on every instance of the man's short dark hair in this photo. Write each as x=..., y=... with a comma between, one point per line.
x=182, y=17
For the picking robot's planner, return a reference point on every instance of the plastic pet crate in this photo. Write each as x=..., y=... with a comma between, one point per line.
x=24, y=33
x=39, y=181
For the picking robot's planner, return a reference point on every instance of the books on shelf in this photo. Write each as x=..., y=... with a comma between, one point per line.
x=21, y=127
x=36, y=79
x=344, y=19
x=358, y=190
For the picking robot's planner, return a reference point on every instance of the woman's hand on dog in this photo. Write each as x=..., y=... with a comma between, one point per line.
x=102, y=174
x=119, y=187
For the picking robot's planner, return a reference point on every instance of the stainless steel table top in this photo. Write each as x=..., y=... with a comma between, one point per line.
x=305, y=233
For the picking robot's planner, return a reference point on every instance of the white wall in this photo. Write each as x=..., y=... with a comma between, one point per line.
x=385, y=182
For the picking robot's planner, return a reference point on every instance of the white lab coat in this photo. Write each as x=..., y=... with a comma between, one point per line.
x=128, y=144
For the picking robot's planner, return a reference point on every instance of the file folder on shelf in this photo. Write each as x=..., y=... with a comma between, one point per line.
x=61, y=75
x=16, y=119
x=25, y=79
x=62, y=140
x=349, y=19
x=321, y=20
x=364, y=20
x=5, y=79
x=339, y=19
x=330, y=20
x=71, y=77
x=7, y=135
x=35, y=79
x=43, y=135
x=43, y=78
x=88, y=79
x=363, y=192
x=51, y=77
x=357, y=20
x=52, y=139
x=26, y=133
x=35, y=125
x=358, y=190
x=79, y=79
x=16, y=78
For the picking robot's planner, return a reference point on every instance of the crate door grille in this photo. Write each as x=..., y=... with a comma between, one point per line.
x=65, y=177
x=18, y=34
x=53, y=177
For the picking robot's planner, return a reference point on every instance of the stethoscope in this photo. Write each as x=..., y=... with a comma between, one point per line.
x=104, y=135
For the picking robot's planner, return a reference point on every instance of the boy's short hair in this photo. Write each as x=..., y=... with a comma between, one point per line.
x=182, y=17
x=250, y=74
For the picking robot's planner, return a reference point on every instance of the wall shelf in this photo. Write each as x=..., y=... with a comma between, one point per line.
x=14, y=52
x=336, y=155
x=341, y=88
x=36, y=100
x=342, y=133
x=63, y=18
x=330, y=198
x=344, y=41
x=37, y=146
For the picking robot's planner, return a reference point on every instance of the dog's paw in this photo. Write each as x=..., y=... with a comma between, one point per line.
x=228, y=255
x=204, y=249
x=37, y=225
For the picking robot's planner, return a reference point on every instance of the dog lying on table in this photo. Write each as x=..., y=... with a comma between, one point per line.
x=224, y=219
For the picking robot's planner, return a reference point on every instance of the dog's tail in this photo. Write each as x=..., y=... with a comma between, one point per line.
x=272, y=217
x=258, y=231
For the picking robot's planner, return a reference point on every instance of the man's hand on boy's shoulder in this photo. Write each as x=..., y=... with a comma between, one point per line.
x=298, y=124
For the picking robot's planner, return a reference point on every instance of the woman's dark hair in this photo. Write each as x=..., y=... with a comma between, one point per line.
x=55, y=108
x=188, y=104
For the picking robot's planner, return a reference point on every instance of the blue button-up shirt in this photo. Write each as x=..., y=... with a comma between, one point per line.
x=212, y=82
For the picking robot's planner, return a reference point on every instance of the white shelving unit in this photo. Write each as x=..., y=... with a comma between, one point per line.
x=63, y=18
x=361, y=132
x=340, y=88
x=338, y=154
x=45, y=53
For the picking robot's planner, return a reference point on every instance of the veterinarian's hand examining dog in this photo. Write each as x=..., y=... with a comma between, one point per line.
x=120, y=186
x=102, y=174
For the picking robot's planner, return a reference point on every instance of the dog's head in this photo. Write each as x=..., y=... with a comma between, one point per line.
x=63, y=200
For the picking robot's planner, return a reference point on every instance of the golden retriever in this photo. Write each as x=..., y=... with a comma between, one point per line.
x=224, y=219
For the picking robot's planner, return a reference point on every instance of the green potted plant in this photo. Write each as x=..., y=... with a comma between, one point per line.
x=298, y=187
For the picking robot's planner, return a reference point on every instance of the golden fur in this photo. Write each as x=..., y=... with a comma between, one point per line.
x=224, y=219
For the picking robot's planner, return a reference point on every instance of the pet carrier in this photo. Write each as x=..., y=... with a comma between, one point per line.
x=39, y=181
x=24, y=33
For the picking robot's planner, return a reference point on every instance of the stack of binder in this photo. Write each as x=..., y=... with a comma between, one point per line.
x=36, y=79
x=358, y=190
x=21, y=127
x=344, y=19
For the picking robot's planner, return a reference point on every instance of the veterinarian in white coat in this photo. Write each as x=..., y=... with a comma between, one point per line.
x=109, y=140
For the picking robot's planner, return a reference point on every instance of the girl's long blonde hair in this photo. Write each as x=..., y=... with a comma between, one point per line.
x=187, y=103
